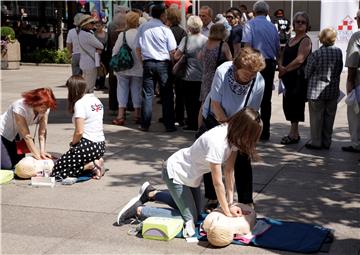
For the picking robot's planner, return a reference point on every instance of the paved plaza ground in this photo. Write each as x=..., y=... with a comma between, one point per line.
x=290, y=183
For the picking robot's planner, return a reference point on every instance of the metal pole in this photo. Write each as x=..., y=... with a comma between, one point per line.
x=194, y=7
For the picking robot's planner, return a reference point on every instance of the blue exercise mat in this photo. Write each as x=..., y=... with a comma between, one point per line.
x=288, y=236
x=293, y=236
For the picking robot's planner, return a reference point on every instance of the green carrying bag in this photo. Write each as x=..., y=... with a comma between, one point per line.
x=124, y=59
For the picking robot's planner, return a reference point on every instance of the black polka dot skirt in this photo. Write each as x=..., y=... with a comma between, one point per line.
x=72, y=163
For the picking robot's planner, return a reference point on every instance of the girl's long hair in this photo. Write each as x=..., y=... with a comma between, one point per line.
x=77, y=88
x=244, y=130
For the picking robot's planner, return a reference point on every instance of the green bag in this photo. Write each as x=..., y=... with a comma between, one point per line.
x=6, y=176
x=124, y=59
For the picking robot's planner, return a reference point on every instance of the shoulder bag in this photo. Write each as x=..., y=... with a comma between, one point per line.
x=124, y=59
x=179, y=69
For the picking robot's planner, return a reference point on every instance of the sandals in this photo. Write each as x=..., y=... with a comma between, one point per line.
x=98, y=170
x=289, y=140
x=119, y=122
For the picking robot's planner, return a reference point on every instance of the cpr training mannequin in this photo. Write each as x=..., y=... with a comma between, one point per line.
x=221, y=229
x=29, y=167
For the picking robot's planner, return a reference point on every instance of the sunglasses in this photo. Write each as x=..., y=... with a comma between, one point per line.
x=300, y=22
x=229, y=17
x=356, y=18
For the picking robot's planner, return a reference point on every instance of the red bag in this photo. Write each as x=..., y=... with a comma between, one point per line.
x=21, y=147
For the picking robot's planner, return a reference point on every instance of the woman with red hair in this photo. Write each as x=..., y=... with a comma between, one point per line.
x=32, y=108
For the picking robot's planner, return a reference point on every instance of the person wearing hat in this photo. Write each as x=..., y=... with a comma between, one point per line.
x=89, y=45
x=72, y=44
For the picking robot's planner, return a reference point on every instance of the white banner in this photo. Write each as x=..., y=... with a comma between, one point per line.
x=340, y=16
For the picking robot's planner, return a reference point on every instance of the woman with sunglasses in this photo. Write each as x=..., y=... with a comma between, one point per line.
x=291, y=72
x=183, y=171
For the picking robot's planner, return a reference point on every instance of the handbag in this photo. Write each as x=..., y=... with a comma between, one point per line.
x=101, y=70
x=124, y=59
x=179, y=69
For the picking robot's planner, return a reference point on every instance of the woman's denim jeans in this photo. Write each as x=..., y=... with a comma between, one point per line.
x=187, y=201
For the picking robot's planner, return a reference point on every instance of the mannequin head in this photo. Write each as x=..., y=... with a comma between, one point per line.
x=29, y=167
x=221, y=229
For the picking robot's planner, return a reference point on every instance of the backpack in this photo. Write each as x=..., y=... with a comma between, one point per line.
x=124, y=59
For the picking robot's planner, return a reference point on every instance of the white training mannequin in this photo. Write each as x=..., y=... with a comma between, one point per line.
x=221, y=228
x=29, y=167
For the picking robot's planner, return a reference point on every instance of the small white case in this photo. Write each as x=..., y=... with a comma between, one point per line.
x=43, y=181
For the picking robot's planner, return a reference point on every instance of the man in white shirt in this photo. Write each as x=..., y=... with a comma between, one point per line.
x=155, y=45
x=206, y=16
x=72, y=44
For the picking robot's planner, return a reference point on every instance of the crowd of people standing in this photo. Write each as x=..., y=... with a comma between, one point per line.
x=225, y=90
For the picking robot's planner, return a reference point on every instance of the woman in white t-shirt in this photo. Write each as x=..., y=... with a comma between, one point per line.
x=130, y=79
x=32, y=108
x=184, y=171
x=88, y=143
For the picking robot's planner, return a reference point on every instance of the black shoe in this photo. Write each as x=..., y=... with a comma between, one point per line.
x=350, y=149
x=144, y=191
x=189, y=129
x=144, y=129
x=172, y=129
x=129, y=210
x=312, y=147
x=265, y=137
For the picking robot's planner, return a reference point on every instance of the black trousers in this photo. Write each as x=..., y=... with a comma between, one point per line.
x=192, y=103
x=179, y=100
x=243, y=180
x=268, y=73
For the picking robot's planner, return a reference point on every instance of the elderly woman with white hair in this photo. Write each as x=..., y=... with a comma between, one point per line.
x=323, y=70
x=190, y=46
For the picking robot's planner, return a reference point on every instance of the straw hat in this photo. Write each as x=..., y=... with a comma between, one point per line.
x=85, y=19
x=77, y=18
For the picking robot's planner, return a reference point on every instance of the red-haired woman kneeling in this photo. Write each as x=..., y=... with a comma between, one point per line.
x=33, y=107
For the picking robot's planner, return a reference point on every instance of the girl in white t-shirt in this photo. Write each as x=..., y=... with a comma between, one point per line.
x=88, y=143
x=184, y=170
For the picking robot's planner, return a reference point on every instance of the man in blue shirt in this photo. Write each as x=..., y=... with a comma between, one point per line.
x=156, y=44
x=261, y=34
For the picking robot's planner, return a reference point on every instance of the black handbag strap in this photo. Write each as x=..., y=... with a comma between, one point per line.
x=249, y=92
x=219, y=54
x=185, y=46
x=124, y=38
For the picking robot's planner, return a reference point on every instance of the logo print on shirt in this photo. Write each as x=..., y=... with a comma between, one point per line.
x=96, y=107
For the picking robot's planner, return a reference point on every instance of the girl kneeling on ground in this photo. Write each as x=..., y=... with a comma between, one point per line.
x=88, y=143
x=183, y=172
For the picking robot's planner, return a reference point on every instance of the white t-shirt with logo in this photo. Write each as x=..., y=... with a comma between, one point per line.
x=187, y=166
x=90, y=108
